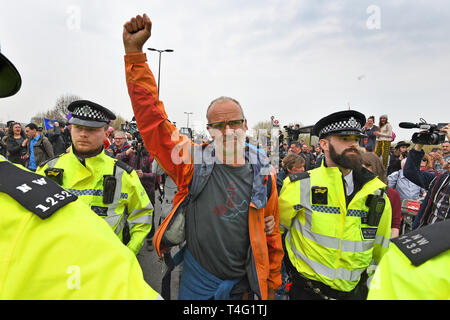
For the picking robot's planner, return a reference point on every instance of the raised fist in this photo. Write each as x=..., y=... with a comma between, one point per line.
x=136, y=32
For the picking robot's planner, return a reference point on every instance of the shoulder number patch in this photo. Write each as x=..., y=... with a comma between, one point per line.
x=34, y=192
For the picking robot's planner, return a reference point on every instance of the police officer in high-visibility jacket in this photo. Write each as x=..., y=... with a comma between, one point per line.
x=51, y=245
x=110, y=187
x=416, y=267
x=338, y=216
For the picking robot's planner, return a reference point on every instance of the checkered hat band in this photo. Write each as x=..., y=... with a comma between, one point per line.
x=87, y=113
x=351, y=124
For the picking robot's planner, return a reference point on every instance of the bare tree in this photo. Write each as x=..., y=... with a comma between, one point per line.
x=58, y=112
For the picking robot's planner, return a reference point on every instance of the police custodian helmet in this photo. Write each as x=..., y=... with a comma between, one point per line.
x=343, y=123
x=10, y=80
x=89, y=114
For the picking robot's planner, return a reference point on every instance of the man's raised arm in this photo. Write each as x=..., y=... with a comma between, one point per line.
x=160, y=136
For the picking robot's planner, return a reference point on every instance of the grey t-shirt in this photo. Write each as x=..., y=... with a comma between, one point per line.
x=217, y=222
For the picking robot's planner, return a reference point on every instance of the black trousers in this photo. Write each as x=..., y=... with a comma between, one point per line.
x=306, y=289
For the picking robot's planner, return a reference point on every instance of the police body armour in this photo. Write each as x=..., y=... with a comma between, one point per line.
x=36, y=193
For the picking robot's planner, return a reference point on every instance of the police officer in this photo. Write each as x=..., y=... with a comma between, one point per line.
x=416, y=267
x=110, y=187
x=52, y=246
x=338, y=216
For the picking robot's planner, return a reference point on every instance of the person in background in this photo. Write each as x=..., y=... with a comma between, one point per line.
x=39, y=149
x=291, y=164
x=309, y=159
x=400, y=153
x=120, y=145
x=373, y=163
x=369, y=130
x=139, y=159
x=384, y=139
x=427, y=165
x=16, y=144
x=407, y=189
x=109, y=138
x=441, y=159
x=56, y=137
x=296, y=147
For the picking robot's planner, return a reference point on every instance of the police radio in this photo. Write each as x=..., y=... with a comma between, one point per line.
x=55, y=174
x=376, y=203
x=109, y=188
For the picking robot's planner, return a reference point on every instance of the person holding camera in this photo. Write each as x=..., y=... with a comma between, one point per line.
x=137, y=156
x=435, y=206
x=120, y=144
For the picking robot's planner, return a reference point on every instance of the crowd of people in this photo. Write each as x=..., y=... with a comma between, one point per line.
x=245, y=231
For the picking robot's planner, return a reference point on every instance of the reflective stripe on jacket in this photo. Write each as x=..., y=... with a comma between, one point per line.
x=170, y=150
x=130, y=202
x=330, y=243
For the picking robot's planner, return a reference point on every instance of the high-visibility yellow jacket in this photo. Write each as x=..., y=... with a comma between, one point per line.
x=416, y=267
x=131, y=203
x=71, y=255
x=330, y=243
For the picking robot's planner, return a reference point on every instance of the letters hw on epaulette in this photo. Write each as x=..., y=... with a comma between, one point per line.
x=425, y=243
x=34, y=192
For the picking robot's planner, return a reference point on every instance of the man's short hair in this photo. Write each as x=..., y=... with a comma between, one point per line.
x=296, y=143
x=32, y=126
x=292, y=160
x=222, y=99
x=120, y=133
x=435, y=149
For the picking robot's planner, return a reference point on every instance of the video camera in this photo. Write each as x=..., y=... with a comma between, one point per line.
x=132, y=128
x=433, y=136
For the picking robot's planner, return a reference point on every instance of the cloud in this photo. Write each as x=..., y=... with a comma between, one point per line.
x=297, y=60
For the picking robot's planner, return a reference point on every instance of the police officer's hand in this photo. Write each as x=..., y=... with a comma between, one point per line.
x=136, y=32
x=269, y=224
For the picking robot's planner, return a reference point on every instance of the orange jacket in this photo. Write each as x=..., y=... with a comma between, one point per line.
x=172, y=152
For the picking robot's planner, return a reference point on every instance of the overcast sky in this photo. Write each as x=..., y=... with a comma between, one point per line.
x=295, y=60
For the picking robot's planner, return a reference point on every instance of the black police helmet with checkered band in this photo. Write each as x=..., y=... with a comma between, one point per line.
x=343, y=123
x=90, y=114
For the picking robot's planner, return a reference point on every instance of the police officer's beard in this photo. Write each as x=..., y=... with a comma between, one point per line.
x=347, y=160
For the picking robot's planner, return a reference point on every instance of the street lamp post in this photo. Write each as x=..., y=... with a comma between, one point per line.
x=188, y=113
x=159, y=68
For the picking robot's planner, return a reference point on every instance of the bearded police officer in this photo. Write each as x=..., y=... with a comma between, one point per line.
x=111, y=188
x=338, y=216
x=52, y=246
